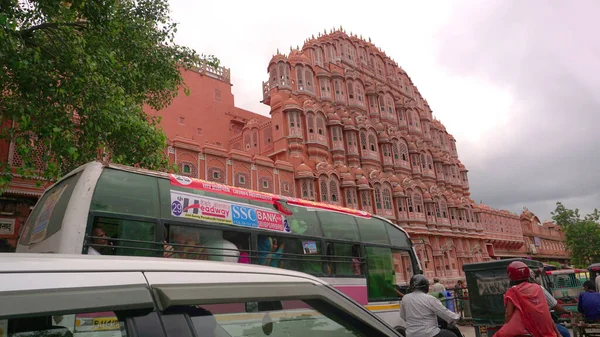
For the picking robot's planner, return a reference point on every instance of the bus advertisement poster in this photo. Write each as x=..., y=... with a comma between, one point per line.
x=193, y=206
x=209, y=186
x=309, y=247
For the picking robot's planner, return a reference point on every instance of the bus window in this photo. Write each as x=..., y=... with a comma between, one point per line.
x=290, y=253
x=186, y=242
x=372, y=230
x=124, y=237
x=46, y=219
x=338, y=226
x=303, y=221
x=126, y=193
x=347, y=261
x=380, y=273
x=397, y=237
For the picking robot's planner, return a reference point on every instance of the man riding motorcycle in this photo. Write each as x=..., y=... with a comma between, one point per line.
x=420, y=311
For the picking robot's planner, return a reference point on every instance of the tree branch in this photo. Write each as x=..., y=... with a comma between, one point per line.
x=52, y=25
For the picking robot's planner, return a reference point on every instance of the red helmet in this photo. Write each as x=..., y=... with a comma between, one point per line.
x=518, y=271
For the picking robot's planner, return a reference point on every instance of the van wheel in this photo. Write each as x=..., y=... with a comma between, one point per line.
x=401, y=330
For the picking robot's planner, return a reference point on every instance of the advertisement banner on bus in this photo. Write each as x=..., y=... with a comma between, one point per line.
x=209, y=186
x=193, y=206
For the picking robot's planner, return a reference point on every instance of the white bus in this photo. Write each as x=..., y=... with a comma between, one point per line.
x=120, y=210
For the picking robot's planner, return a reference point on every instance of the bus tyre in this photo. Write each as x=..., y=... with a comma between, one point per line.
x=401, y=330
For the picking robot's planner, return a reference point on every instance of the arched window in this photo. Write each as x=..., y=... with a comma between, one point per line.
x=360, y=93
x=333, y=190
x=323, y=188
x=410, y=201
x=350, y=86
x=365, y=200
x=363, y=141
x=310, y=122
x=351, y=139
x=377, y=197
x=387, y=198
x=444, y=208
x=403, y=151
x=280, y=75
x=416, y=118
x=418, y=201
x=437, y=207
x=320, y=124
x=395, y=151
x=338, y=86
x=429, y=162
x=307, y=189
x=382, y=103
x=373, y=104
x=247, y=143
x=318, y=56
x=300, y=78
x=308, y=77
x=423, y=161
x=372, y=142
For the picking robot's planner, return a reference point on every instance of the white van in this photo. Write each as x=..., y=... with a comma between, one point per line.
x=113, y=296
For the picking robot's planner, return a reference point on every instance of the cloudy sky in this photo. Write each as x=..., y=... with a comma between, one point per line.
x=516, y=82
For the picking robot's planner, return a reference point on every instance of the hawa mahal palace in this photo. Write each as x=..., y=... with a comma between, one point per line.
x=347, y=126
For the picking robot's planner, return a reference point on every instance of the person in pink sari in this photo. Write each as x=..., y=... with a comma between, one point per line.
x=526, y=307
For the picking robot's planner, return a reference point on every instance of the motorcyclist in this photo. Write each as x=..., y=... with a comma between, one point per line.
x=420, y=311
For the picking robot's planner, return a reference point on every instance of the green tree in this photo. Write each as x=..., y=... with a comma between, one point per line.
x=582, y=235
x=75, y=78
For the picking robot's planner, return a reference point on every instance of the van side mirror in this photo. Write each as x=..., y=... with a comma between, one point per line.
x=264, y=306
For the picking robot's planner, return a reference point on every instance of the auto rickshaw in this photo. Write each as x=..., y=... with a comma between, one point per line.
x=594, y=269
x=578, y=324
x=566, y=285
x=487, y=283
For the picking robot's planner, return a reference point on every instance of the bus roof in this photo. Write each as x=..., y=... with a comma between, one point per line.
x=235, y=191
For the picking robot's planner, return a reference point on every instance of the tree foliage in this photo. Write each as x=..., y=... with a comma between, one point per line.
x=582, y=235
x=75, y=77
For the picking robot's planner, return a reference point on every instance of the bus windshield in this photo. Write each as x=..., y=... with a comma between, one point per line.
x=171, y=216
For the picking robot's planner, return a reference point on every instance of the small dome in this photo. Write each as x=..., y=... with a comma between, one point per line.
x=303, y=171
x=348, y=122
x=277, y=98
x=379, y=127
x=398, y=192
x=298, y=57
x=333, y=117
x=384, y=137
x=253, y=123
x=291, y=103
x=427, y=196
x=362, y=181
x=277, y=58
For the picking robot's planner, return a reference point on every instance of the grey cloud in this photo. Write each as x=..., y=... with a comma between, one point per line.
x=547, y=55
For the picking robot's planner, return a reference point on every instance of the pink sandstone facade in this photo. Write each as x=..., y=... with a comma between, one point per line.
x=347, y=126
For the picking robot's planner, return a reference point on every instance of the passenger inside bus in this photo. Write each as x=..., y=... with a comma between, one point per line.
x=184, y=243
x=270, y=251
x=100, y=243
